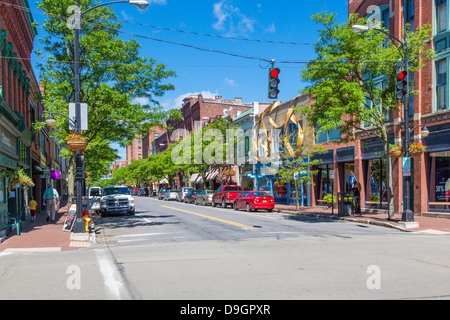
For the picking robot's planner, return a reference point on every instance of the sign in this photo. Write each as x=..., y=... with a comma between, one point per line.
x=251, y=175
x=406, y=166
x=70, y=219
x=295, y=175
x=331, y=174
x=84, y=115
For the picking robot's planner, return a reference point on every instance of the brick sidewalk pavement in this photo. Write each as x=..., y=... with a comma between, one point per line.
x=426, y=224
x=41, y=235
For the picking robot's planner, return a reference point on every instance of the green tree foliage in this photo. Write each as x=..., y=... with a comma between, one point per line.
x=114, y=77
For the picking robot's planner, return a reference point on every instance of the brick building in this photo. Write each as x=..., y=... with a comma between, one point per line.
x=20, y=107
x=430, y=179
x=134, y=150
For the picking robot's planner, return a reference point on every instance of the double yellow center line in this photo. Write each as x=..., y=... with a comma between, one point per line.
x=213, y=218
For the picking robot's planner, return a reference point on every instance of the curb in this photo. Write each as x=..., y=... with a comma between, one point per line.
x=353, y=220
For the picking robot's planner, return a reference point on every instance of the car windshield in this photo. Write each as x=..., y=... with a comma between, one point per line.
x=209, y=191
x=116, y=190
x=259, y=194
x=232, y=189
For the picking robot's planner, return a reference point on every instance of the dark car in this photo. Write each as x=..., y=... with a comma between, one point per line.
x=190, y=196
x=161, y=193
x=143, y=192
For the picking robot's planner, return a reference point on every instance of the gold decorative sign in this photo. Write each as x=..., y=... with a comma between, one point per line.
x=290, y=116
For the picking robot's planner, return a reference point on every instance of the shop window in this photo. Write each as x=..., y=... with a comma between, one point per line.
x=2, y=190
x=325, y=183
x=439, y=193
x=376, y=194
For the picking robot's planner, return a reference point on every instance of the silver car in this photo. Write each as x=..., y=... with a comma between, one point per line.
x=182, y=192
x=170, y=195
x=204, y=197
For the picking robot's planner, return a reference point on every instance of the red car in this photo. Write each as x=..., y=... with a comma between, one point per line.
x=253, y=200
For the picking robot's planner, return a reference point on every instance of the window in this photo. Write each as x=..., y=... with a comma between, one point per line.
x=409, y=13
x=439, y=192
x=441, y=15
x=2, y=190
x=327, y=136
x=441, y=85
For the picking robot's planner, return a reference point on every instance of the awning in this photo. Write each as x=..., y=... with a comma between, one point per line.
x=194, y=177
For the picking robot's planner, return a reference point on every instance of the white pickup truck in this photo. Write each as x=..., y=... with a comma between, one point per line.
x=94, y=197
x=116, y=200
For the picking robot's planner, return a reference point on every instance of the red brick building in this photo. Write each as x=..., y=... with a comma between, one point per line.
x=430, y=179
x=20, y=107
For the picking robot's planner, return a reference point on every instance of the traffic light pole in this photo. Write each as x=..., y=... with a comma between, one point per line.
x=407, y=214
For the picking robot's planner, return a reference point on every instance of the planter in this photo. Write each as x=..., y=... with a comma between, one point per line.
x=396, y=153
x=76, y=145
x=415, y=152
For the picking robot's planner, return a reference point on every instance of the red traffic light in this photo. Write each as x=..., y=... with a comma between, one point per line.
x=274, y=72
x=402, y=75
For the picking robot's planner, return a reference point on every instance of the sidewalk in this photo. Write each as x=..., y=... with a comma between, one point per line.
x=40, y=236
x=426, y=224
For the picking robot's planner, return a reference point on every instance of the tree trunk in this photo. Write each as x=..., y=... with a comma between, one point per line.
x=389, y=180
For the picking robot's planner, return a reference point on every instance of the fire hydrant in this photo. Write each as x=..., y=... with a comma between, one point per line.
x=87, y=219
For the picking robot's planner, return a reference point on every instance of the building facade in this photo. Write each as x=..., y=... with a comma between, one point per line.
x=430, y=178
x=19, y=107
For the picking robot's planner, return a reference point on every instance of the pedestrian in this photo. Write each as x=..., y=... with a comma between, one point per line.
x=33, y=206
x=357, y=194
x=51, y=198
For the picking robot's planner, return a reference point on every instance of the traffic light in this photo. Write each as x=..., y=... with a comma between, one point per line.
x=402, y=85
x=273, y=83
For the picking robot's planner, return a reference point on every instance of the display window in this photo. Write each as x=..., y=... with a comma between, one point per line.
x=376, y=193
x=439, y=191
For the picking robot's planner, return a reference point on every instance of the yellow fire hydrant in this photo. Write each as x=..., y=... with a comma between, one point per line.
x=87, y=219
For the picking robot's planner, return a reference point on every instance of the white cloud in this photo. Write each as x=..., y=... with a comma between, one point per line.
x=230, y=19
x=230, y=82
x=271, y=28
x=176, y=103
x=141, y=101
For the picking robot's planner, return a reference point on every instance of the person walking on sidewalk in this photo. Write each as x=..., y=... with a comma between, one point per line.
x=51, y=198
x=33, y=206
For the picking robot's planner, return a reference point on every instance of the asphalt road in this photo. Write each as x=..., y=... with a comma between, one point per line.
x=178, y=251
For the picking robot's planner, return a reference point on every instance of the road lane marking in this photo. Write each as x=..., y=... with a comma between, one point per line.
x=213, y=218
x=113, y=282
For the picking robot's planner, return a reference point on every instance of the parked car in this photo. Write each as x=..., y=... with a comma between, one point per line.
x=135, y=192
x=204, y=197
x=143, y=192
x=182, y=192
x=161, y=193
x=116, y=199
x=226, y=195
x=190, y=196
x=170, y=194
x=253, y=200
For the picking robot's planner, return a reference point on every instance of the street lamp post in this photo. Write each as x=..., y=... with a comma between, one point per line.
x=79, y=224
x=407, y=214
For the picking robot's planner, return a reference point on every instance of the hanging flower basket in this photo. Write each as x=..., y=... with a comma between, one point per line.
x=229, y=173
x=416, y=149
x=76, y=142
x=396, y=151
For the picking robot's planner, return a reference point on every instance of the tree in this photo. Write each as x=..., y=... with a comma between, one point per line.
x=352, y=80
x=113, y=78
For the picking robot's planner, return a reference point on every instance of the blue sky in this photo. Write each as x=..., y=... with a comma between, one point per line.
x=213, y=73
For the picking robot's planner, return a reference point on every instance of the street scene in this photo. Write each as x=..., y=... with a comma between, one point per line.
x=215, y=155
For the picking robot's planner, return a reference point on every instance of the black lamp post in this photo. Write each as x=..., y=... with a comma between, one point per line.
x=79, y=175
